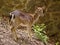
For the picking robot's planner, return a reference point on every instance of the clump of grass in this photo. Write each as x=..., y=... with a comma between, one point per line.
x=40, y=32
x=57, y=43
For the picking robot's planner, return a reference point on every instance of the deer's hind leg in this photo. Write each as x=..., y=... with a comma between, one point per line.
x=29, y=30
x=14, y=34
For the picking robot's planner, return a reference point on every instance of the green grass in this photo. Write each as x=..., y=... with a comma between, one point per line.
x=57, y=43
x=40, y=32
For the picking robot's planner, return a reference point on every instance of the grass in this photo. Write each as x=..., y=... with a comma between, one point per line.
x=40, y=32
x=57, y=43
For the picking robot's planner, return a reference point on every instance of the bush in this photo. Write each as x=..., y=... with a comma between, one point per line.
x=40, y=32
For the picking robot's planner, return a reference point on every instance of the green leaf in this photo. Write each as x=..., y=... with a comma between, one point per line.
x=39, y=32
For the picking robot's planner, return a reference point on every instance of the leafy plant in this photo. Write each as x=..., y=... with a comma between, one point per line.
x=40, y=32
x=57, y=43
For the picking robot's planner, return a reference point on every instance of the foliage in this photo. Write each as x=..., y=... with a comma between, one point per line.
x=57, y=43
x=40, y=32
x=51, y=12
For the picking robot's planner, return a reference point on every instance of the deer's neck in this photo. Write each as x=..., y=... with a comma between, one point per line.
x=36, y=17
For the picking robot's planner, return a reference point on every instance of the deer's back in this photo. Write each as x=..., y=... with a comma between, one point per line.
x=21, y=17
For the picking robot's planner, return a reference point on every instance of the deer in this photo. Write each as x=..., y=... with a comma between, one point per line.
x=20, y=18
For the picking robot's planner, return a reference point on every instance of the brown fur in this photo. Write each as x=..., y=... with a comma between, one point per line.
x=24, y=19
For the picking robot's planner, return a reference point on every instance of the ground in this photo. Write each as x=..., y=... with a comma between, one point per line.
x=6, y=37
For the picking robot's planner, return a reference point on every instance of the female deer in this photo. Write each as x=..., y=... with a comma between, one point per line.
x=24, y=19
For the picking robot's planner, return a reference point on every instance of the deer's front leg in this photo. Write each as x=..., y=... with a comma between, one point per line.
x=14, y=34
x=28, y=26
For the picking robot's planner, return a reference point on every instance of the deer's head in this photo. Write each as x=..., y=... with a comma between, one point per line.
x=39, y=11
